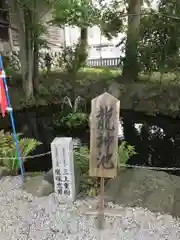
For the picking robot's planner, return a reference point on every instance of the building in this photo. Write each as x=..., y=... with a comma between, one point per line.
x=56, y=37
x=9, y=31
x=99, y=46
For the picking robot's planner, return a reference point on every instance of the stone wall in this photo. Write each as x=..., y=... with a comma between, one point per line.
x=152, y=99
x=55, y=63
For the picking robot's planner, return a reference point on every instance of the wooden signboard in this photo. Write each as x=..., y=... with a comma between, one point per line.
x=104, y=124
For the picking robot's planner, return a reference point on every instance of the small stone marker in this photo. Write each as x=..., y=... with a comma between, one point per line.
x=104, y=123
x=63, y=168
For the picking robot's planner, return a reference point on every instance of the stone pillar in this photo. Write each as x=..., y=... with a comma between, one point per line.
x=63, y=168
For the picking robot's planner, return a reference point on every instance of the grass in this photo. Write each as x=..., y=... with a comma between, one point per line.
x=109, y=73
x=89, y=81
x=112, y=71
x=168, y=78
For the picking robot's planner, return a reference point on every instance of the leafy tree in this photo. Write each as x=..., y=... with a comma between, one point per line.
x=27, y=15
x=79, y=13
x=159, y=38
x=82, y=14
x=152, y=42
x=111, y=21
x=114, y=20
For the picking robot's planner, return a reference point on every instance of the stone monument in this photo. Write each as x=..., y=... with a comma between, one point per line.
x=63, y=168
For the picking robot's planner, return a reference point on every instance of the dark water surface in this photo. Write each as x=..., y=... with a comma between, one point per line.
x=156, y=139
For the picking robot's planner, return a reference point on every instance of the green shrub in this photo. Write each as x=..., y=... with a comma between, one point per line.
x=91, y=185
x=125, y=151
x=88, y=186
x=76, y=118
x=8, y=150
x=74, y=58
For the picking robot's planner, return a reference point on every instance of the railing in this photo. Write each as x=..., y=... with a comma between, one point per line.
x=104, y=62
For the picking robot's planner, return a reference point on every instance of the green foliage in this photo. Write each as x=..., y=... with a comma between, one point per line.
x=74, y=58
x=8, y=149
x=74, y=120
x=80, y=13
x=84, y=14
x=159, y=39
x=34, y=23
x=81, y=159
x=158, y=42
x=111, y=21
x=125, y=151
x=90, y=186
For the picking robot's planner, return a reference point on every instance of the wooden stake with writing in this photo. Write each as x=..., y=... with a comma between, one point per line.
x=104, y=123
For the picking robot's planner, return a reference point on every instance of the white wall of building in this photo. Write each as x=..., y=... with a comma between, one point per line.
x=104, y=52
x=95, y=39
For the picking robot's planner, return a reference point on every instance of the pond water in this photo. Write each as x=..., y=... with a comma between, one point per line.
x=156, y=139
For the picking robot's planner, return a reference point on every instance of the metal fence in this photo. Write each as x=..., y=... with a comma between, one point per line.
x=104, y=62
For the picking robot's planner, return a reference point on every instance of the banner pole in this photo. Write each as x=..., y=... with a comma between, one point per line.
x=12, y=118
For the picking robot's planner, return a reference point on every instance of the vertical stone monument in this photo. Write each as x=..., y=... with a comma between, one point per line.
x=63, y=168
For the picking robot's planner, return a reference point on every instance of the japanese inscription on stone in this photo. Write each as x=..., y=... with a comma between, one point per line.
x=63, y=168
x=104, y=122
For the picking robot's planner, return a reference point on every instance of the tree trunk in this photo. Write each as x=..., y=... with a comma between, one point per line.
x=83, y=46
x=28, y=87
x=24, y=24
x=36, y=51
x=80, y=58
x=19, y=18
x=84, y=33
x=29, y=83
x=36, y=66
x=130, y=65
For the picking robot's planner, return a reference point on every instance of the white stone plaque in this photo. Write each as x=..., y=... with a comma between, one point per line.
x=63, y=168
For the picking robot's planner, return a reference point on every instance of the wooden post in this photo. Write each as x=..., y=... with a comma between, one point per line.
x=101, y=205
x=104, y=123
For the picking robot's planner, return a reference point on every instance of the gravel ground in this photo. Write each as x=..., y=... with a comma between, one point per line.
x=24, y=217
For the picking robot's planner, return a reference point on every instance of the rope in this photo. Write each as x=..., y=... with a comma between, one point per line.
x=141, y=167
x=28, y=157
x=86, y=156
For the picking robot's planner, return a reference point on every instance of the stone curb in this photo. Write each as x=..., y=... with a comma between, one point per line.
x=4, y=172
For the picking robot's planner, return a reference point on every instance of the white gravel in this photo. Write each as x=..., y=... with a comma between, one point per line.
x=24, y=217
